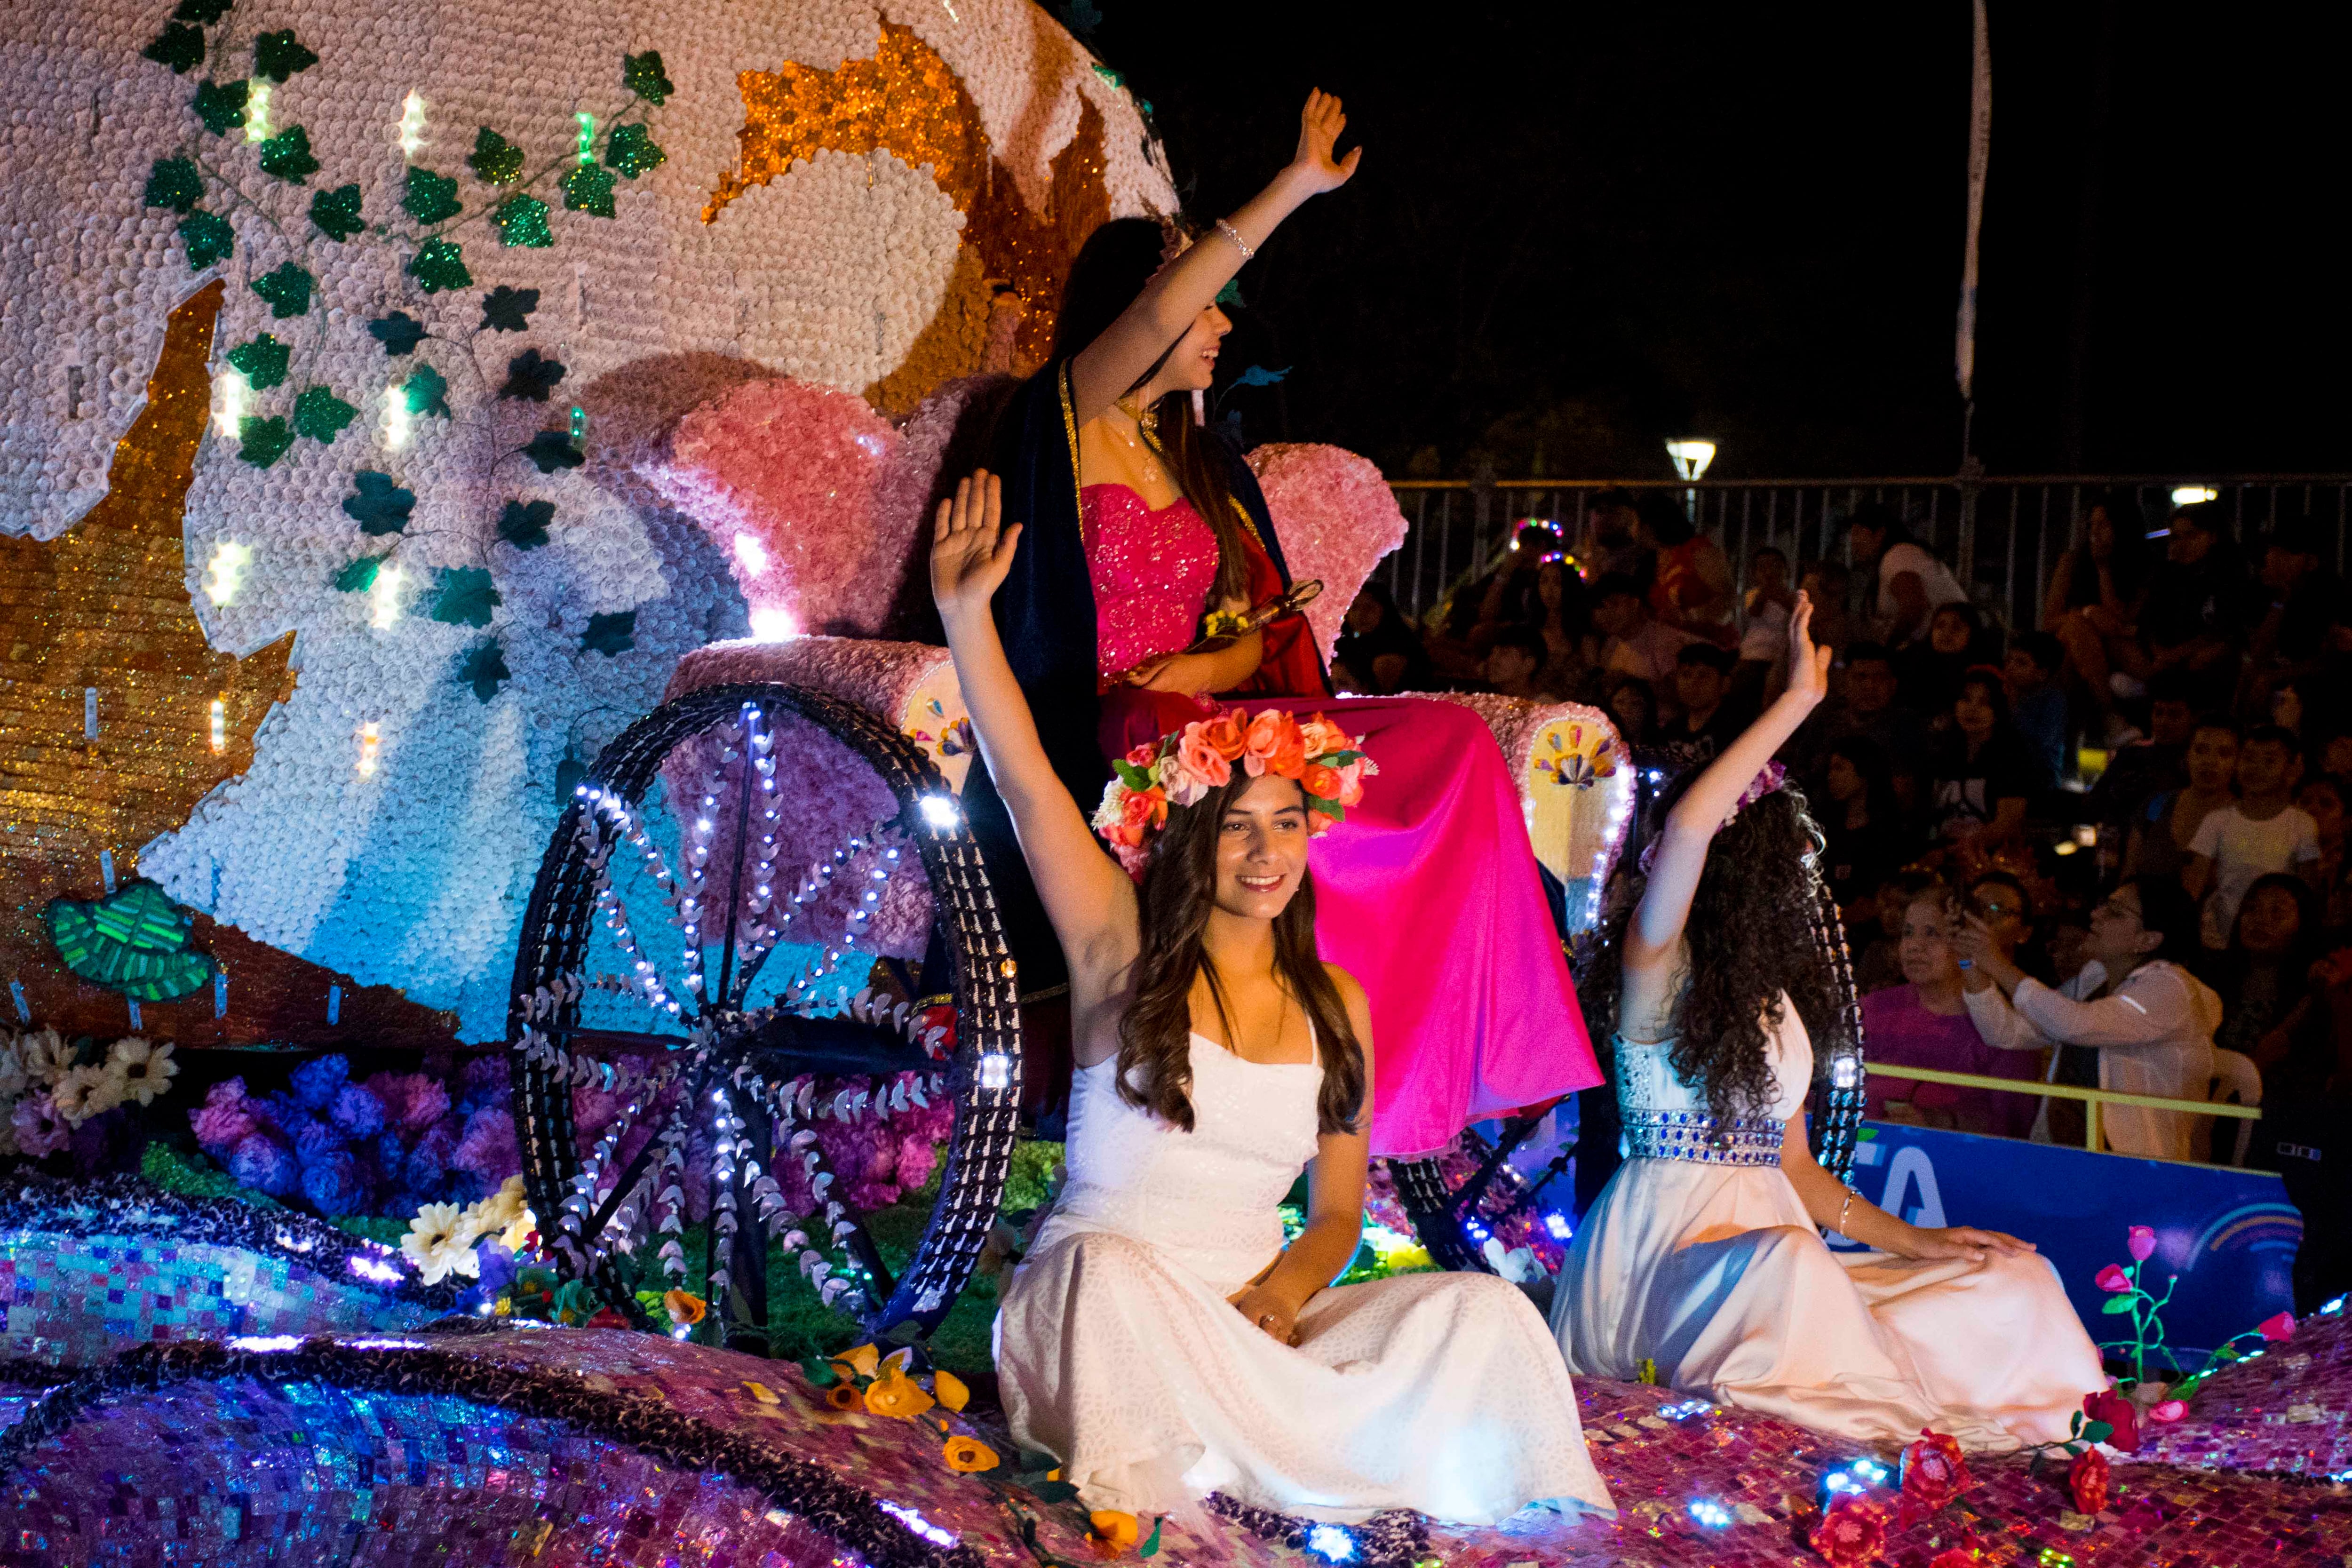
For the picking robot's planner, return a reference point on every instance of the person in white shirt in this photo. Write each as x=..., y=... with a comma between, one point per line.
x=1638, y=644
x=1912, y=584
x=2150, y=1020
x=2264, y=833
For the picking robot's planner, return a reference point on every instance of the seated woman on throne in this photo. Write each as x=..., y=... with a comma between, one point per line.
x=1140, y=524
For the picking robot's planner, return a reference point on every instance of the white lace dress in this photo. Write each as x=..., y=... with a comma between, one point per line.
x=1120, y=1354
x=1713, y=1272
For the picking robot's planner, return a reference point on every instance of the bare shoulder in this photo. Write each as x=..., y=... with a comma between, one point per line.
x=1351, y=998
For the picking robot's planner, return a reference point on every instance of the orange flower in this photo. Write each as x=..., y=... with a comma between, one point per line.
x=1322, y=783
x=948, y=1389
x=684, y=1308
x=969, y=1455
x=861, y=1362
x=1224, y=733
x=1323, y=737
x=1202, y=757
x=1261, y=741
x=1113, y=1533
x=1144, y=810
x=896, y=1394
x=845, y=1396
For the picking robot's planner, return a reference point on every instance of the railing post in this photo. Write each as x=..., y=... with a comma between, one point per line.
x=1971, y=481
x=2091, y=1125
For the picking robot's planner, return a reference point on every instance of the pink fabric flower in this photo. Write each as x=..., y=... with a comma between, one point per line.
x=2276, y=1329
x=2170, y=1410
x=40, y=1130
x=2113, y=1277
x=227, y=1118
x=428, y=1103
x=1203, y=759
x=2140, y=1242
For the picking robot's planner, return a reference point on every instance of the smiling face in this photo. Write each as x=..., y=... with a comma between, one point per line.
x=1192, y=365
x=1262, y=848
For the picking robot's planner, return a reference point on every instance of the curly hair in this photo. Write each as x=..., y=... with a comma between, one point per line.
x=1750, y=938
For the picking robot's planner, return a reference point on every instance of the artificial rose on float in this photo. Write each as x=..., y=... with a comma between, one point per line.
x=1853, y=1532
x=2140, y=1242
x=1111, y=1532
x=2276, y=1329
x=2113, y=1278
x=2170, y=1410
x=2118, y=1413
x=969, y=1455
x=1142, y=754
x=2086, y=1480
x=1202, y=758
x=1933, y=1474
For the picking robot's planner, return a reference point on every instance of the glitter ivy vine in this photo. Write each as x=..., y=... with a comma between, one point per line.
x=429, y=221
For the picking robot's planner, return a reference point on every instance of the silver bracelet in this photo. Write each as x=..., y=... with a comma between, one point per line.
x=1230, y=232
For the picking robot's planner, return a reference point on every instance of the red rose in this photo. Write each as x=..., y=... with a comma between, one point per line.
x=1224, y=732
x=2087, y=1479
x=1853, y=1533
x=2276, y=1329
x=1144, y=755
x=2117, y=1411
x=1955, y=1558
x=1933, y=1473
x=2113, y=1278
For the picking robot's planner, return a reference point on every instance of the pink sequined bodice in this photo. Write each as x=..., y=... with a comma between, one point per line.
x=1153, y=573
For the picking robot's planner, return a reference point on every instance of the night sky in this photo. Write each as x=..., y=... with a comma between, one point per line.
x=1580, y=228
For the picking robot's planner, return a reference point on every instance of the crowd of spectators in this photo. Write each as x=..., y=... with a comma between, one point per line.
x=2106, y=849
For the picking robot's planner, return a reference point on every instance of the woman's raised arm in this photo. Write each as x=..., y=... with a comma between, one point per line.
x=1084, y=893
x=1105, y=369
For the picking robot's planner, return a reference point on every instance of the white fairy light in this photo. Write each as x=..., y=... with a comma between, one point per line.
x=752, y=553
x=220, y=724
x=940, y=812
x=383, y=598
x=398, y=422
x=225, y=573
x=370, y=741
x=772, y=622
x=232, y=395
x=412, y=125
x=256, y=112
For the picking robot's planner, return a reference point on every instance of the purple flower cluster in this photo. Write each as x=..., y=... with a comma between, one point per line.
x=877, y=1160
x=385, y=1146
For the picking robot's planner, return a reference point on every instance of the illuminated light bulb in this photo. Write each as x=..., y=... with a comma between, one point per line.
x=772, y=622
x=232, y=393
x=940, y=812
x=752, y=553
x=227, y=572
x=1691, y=454
x=220, y=724
x=398, y=422
x=383, y=598
x=370, y=741
x=256, y=112
x=412, y=125
x=587, y=137
x=2190, y=495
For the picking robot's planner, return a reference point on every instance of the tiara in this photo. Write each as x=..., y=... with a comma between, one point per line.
x=1182, y=767
x=1773, y=776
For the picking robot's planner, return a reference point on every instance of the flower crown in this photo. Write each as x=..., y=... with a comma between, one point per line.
x=1180, y=769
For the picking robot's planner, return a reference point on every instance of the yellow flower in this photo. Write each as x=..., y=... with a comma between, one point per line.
x=861, y=1360
x=895, y=1393
x=949, y=1391
x=1113, y=1533
x=683, y=1307
x=969, y=1455
x=844, y=1397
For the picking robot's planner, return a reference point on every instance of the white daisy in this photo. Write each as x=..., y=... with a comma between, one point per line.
x=440, y=1239
x=147, y=1068
x=46, y=1057
x=88, y=1091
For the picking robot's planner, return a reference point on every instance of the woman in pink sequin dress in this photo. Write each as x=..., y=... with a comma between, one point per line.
x=1430, y=891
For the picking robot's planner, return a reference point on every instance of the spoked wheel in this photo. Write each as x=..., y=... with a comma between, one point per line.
x=719, y=954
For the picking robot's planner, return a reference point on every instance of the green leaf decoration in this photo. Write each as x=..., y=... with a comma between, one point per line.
x=642, y=74
x=439, y=264
x=2096, y=1432
x=495, y=160
x=288, y=289
x=133, y=940
x=336, y=213
x=431, y=197
x=221, y=106
x=509, y=309
x=467, y=597
x=611, y=635
x=529, y=374
x=277, y=56
x=175, y=186
x=262, y=442
x=1231, y=294
x=288, y=155
x=523, y=524
x=1150, y=1548
x=552, y=449
x=588, y=189
x=378, y=505
x=426, y=391
x=358, y=576
x=203, y=13
x=179, y=47
x=522, y=220
x=819, y=1371
x=262, y=361
x=2115, y=1304
x=632, y=150
x=399, y=333
x=485, y=669
x=1051, y=1492
x=320, y=415
x=208, y=238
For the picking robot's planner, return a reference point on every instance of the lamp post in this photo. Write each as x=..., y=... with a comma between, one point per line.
x=1691, y=454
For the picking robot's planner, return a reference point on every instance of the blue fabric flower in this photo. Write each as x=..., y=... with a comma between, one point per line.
x=357, y=1112
x=315, y=1141
x=317, y=1083
x=333, y=1183
x=264, y=1165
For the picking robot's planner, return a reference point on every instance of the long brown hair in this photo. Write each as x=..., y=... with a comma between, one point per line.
x=1179, y=887
x=1111, y=269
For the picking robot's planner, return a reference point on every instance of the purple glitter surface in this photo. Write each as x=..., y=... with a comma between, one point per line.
x=2285, y=1410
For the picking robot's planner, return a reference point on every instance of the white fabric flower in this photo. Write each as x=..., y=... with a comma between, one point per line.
x=88, y=1091
x=146, y=1069
x=12, y=1071
x=438, y=1241
x=46, y=1057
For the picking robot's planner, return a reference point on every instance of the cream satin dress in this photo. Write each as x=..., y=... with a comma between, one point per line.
x=1716, y=1273
x=1120, y=1354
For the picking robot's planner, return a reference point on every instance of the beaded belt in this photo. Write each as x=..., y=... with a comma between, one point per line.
x=1694, y=1135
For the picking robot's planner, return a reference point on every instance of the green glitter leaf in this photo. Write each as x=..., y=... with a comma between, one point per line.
x=262, y=361
x=277, y=56
x=179, y=47
x=552, y=449
x=439, y=264
x=336, y=213
x=632, y=150
x=203, y=13
x=467, y=596
x=378, y=505
x=320, y=415
x=509, y=309
x=495, y=160
x=399, y=333
x=288, y=155
x=522, y=220
x=208, y=238
x=642, y=74
x=529, y=374
x=1231, y=294
x=523, y=524
x=288, y=289
x=431, y=197
x=485, y=669
x=426, y=391
x=588, y=189
x=611, y=635
x=135, y=941
x=262, y=442
x=358, y=576
x=221, y=106
x=174, y=186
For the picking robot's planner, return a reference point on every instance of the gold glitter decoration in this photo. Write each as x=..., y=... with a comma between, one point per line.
x=106, y=606
x=906, y=102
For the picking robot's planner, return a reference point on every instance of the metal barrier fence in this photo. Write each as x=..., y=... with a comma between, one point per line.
x=2004, y=536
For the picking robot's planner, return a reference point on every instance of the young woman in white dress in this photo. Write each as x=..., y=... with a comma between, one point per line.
x=1704, y=1254
x=1160, y=1340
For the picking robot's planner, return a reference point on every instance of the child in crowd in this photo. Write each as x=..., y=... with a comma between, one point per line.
x=1703, y=674
x=2037, y=704
x=1515, y=662
x=1638, y=644
x=2263, y=833
x=2168, y=825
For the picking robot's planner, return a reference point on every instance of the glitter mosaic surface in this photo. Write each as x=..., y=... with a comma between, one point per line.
x=2286, y=1411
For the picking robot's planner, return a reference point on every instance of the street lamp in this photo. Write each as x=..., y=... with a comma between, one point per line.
x=1691, y=455
x=2190, y=495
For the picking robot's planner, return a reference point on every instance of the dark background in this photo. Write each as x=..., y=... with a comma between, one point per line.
x=1580, y=228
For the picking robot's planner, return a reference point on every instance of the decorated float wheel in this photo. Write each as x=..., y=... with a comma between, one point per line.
x=719, y=956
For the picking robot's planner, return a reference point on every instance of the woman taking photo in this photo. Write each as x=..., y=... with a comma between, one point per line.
x=1703, y=1255
x=1159, y=1339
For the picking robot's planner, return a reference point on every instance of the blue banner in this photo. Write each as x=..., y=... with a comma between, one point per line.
x=2229, y=1236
